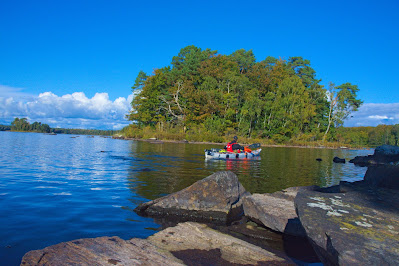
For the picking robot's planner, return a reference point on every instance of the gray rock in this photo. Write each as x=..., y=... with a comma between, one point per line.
x=386, y=176
x=387, y=150
x=357, y=227
x=276, y=210
x=192, y=241
x=385, y=154
x=338, y=160
x=187, y=243
x=101, y=251
x=216, y=198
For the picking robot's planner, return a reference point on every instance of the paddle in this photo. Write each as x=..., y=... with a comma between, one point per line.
x=254, y=146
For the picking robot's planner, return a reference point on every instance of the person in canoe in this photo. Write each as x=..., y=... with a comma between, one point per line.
x=233, y=145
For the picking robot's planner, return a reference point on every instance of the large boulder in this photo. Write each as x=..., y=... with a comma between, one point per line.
x=101, y=251
x=276, y=210
x=185, y=244
x=384, y=154
x=359, y=226
x=386, y=150
x=216, y=198
x=198, y=244
x=386, y=176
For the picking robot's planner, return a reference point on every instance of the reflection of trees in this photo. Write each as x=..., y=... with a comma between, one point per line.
x=160, y=169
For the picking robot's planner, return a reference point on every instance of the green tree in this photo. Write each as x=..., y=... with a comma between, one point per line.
x=343, y=101
x=140, y=80
x=147, y=105
x=189, y=59
x=395, y=133
x=244, y=59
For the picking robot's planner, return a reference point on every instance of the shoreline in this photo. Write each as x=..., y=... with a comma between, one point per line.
x=159, y=141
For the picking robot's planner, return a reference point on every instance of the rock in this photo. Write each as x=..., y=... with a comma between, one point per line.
x=185, y=244
x=357, y=227
x=364, y=160
x=194, y=242
x=386, y=176
x=338, y=160
x=101, y=251
x=386, y=150
x=216, y=198
x=276, y=210
x=384, y=154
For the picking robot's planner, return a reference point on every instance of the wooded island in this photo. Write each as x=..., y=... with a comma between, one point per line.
x=207, y=96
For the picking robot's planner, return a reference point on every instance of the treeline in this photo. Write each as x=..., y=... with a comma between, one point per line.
x=206, y=96
x=5, y=128
x=84, y=131
x=23, y=125
x=369, y=136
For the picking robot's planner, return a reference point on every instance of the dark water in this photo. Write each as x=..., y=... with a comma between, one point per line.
x=63, y=187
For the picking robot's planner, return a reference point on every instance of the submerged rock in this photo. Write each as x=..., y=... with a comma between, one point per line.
x=216, y=198
x=359, y=226
x=338, y=160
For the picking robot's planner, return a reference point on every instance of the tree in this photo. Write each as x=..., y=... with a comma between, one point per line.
x=146, y=105
x=244, y=59
x=343, y=101
x=140, y=80
x=189, y=59
x=395, y=133
x=233, y=93
x=270, y=61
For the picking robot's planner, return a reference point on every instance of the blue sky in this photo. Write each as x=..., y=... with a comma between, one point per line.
x=72, y=63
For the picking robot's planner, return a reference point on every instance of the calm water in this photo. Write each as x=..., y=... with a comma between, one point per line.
x=64, y=187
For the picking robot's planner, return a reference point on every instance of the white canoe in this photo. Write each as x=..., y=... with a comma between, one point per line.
x=215, y=154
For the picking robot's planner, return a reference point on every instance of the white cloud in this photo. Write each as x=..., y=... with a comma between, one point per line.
x=74, y=110
x=373, y=114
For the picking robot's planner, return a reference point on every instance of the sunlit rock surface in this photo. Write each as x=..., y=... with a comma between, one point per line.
x=216, y=198
x=185, y=244
x=101, y=251
x=197, y=244
x=359, y=226
x=276, y=210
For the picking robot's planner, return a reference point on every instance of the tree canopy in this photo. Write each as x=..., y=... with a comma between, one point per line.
x=234, y=94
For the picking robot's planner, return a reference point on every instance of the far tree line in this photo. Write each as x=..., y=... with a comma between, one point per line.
x=369, y=136
x=22, y=125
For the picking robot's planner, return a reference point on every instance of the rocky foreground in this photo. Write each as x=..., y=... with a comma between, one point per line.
x=349, y=224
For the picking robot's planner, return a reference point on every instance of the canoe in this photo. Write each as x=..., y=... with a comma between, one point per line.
x=217, y=154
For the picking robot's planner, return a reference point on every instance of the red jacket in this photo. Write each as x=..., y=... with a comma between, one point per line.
x=229, y=147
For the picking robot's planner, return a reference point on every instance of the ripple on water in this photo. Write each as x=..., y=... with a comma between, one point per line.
x=62, y=194
x=55, y=189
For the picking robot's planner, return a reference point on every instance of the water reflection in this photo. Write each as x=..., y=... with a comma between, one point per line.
x=59, y=188
x=160, y=169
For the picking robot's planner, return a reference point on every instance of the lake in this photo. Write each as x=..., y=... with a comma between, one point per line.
x=56, y=188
